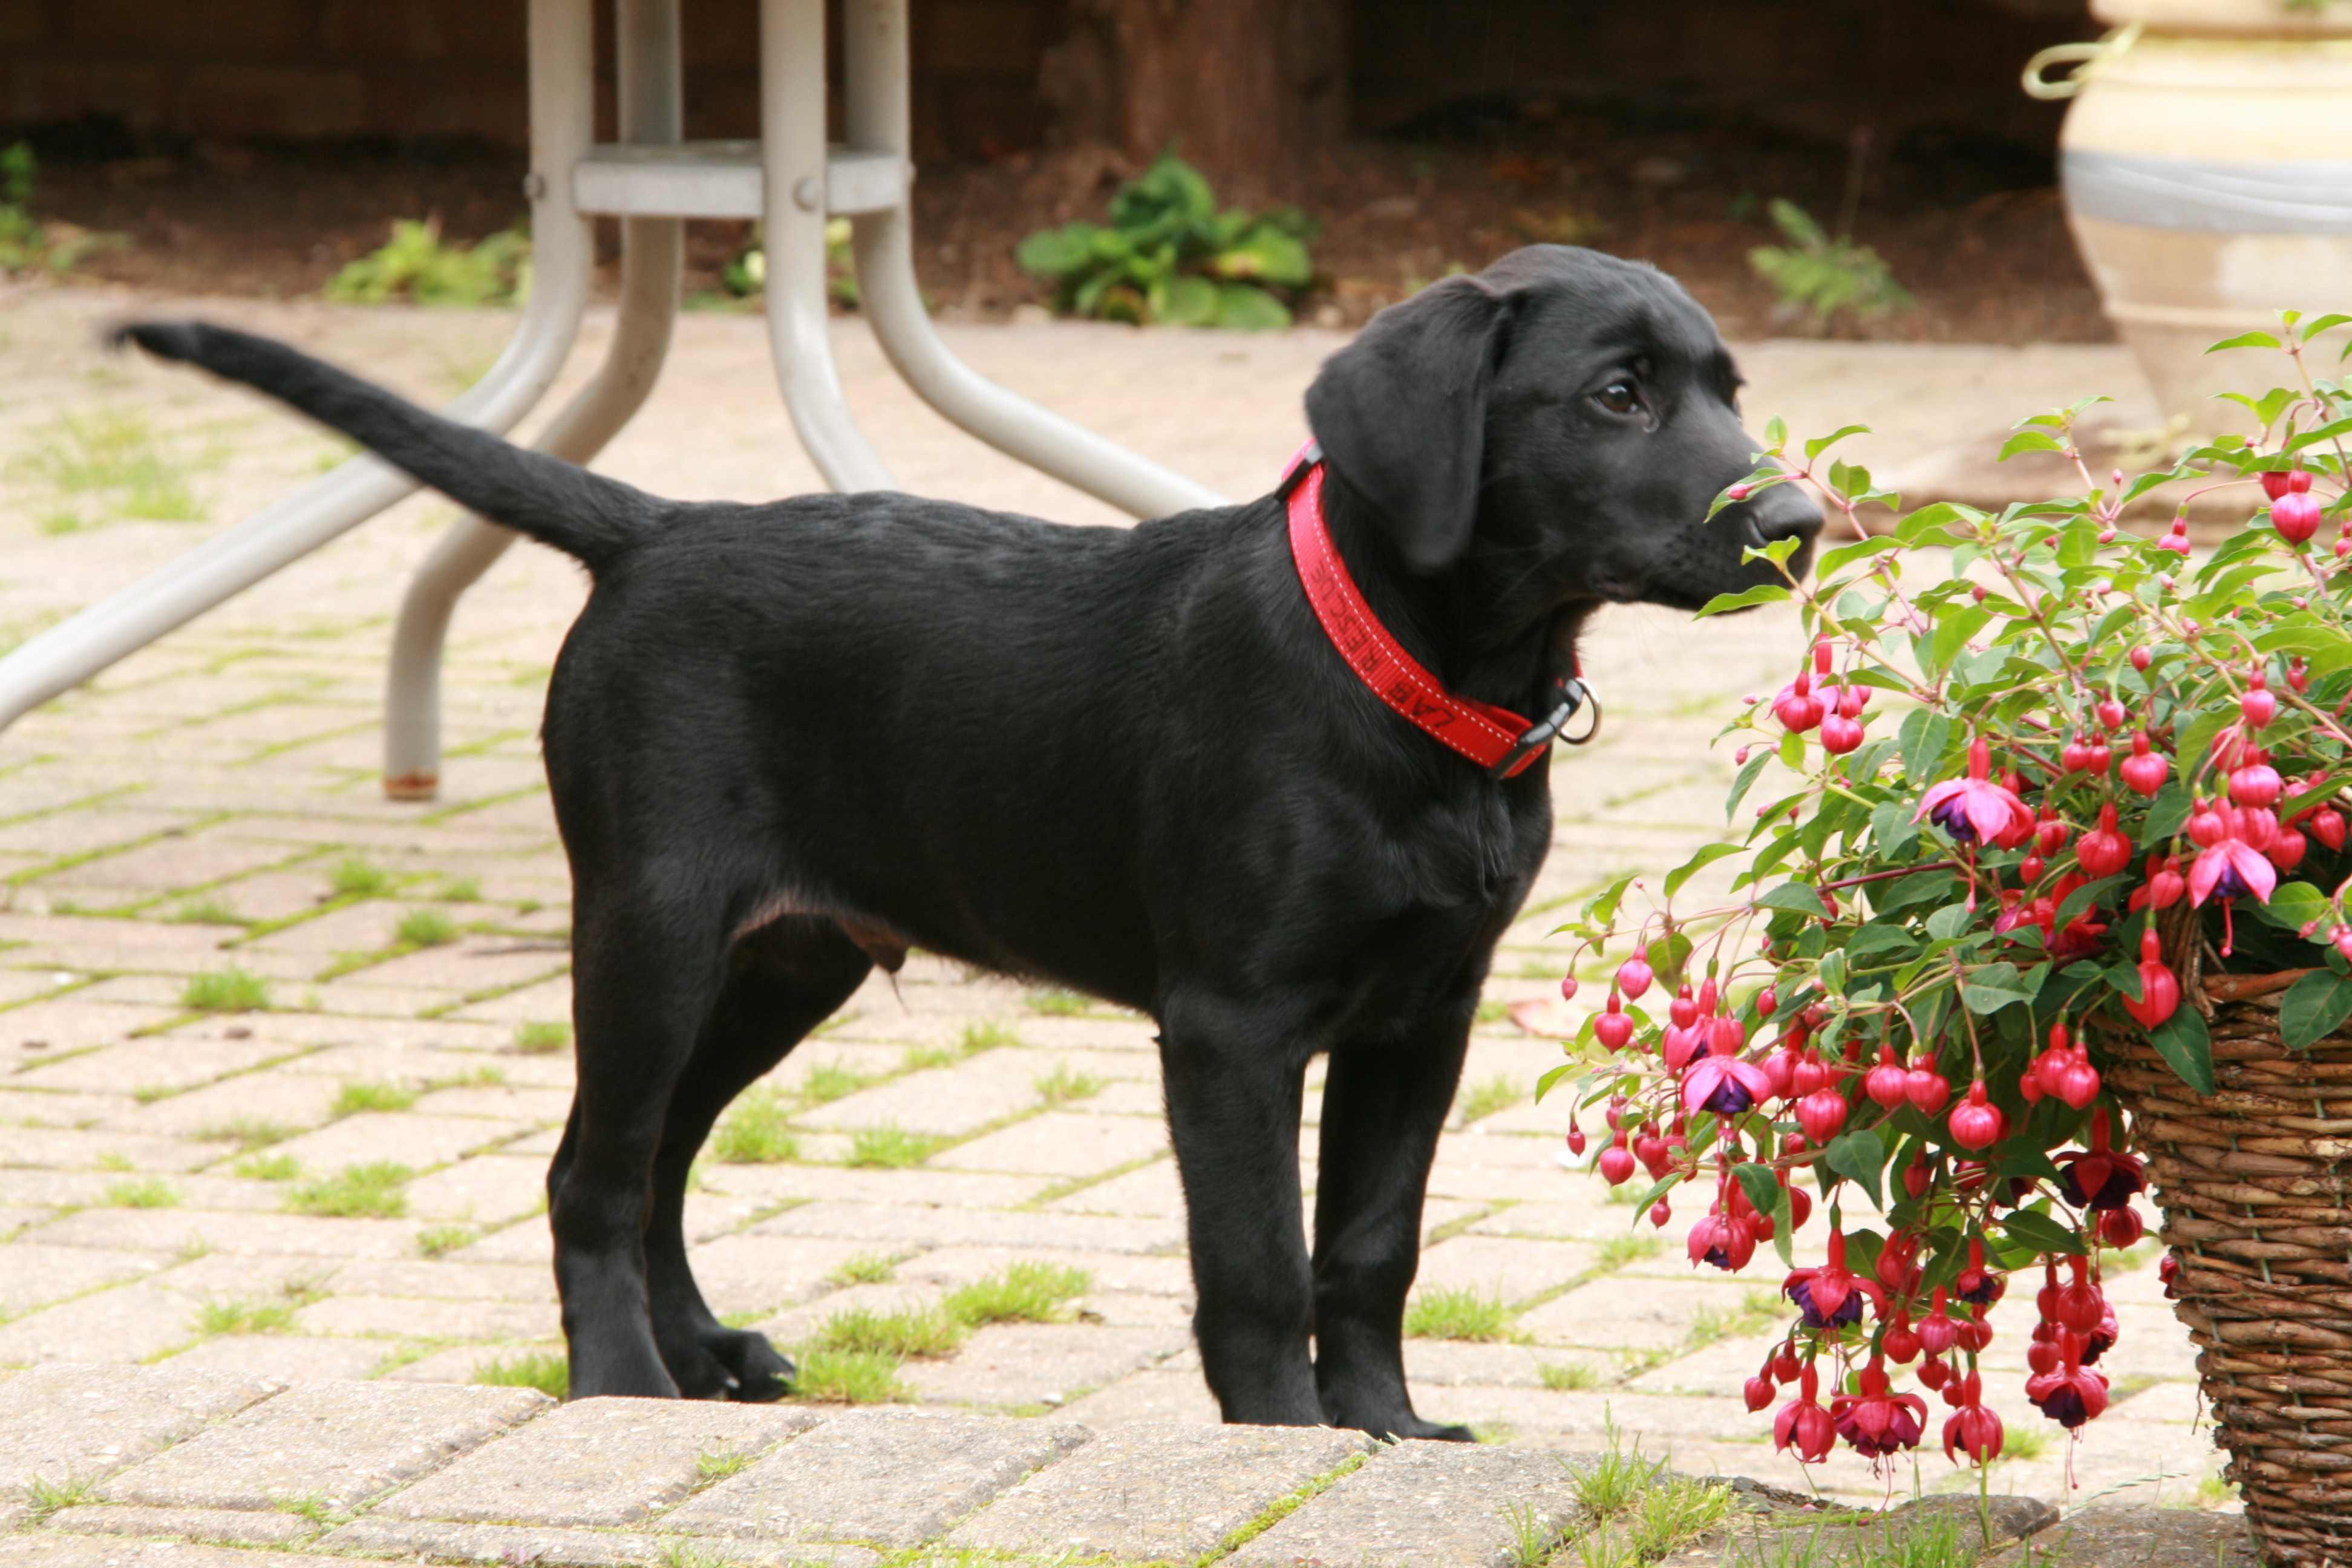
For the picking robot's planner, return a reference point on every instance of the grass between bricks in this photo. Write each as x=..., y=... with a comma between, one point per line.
x=1462, y=1313
x=248, y=1133
x=373, y=1190
x=1282, y=1508
x=1061, y=1086
x=356, y=1095
x=436, y=1239
x=867, y=1269
x=146, y=1192
x=550, y=1371
x=1480, y=1100
x=890, y=1147
x=853, y=1356
x=540, y=1038
x=268, y=1168
x=230, y=990
x=1855, y=1542
x=755, y=1132
x=1641, y=1511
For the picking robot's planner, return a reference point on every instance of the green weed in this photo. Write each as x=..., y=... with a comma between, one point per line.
x=889, y=1148
x=1062, y=1086
x=149, y=1093
x=27, y=244
x=918, y=1058
x=268, y=1168
x=230, y=990
x=1757, y=1310
x=115, y=1160
x=1440, y=1314
x=847, y=1377
x=461, y=890
x=1817, y=277
x=234, y=1317
x=539, y=1039
x=754, y=1132
x=112, y=455
x=979, y=1037
x=1620, y=1476
x=207, y=911
x=146, y=1192
x=866, y=1268
x=1532, y=1536
x=550, y=1371
x=1631, y=1247
x=831, y=1082
x=436, y=1239
x=1021, y=1293
x=1678, y=1510
x=355, y=878
x=717, y=1464
x=1497, y=1093
x=417, y=263
x=1057, y=1004
x=248, y=1133
x=314, y=1507
x=908, y=1332
x=46, y=1497
x=368, y=1191
x=2024, y=1443
x=1564, y=1377
x=425, y=927
x=356, y=1095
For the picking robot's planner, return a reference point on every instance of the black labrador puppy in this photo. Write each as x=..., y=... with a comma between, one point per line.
x=786, y=741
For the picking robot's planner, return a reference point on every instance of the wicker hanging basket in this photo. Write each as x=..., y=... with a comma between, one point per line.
x=2255, y=1185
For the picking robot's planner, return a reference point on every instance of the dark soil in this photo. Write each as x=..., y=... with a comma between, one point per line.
x=1974, y=232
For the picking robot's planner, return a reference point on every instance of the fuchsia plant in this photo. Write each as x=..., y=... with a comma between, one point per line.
x=2089, y=745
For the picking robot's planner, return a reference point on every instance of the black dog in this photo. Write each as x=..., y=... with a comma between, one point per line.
x=785, y=742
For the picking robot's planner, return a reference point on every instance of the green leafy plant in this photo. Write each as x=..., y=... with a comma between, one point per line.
x=1565, y=1377
x=1821, y=276
x=1169, y=255
x=425, y=927
x=906, y=1332
x=113, y=456
x=435, y=1240
x=538, y=1039
x=834, y=1079
x=207, y=911
x=747, y=275
x=754, y=1132
x=1021, y=1293
x=889, y=1148
x=1062, y=1086
x=864, y=1269
x=145, y=1193
x=1619, y=1251
x=26, y=244
x=979, y=1037
x=1057, y=1004
x=717, y=1464
x=236, y=1316
x=550, y=1371
x=357, y=1095
x=2029, y=765
x=1441, y=1312
x=1497, y=1093
x=847, y=1377
x=268, y=1168
x=230, y=990
x=355, y=878
x=46, y=1496
x=370, y=1191
x=418, y=264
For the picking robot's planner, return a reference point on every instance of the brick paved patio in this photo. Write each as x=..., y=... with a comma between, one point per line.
x=202, y=826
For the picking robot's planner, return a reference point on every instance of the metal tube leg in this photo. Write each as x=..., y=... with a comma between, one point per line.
x=793, y=156
x=873, y=46
x=561, y=76
x=652, y=251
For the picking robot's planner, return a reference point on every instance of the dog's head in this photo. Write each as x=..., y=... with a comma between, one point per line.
x=1571, y=415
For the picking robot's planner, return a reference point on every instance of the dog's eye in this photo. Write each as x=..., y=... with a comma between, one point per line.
x=1619, y=397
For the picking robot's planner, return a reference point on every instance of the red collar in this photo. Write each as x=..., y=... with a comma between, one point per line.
x=1495, y=738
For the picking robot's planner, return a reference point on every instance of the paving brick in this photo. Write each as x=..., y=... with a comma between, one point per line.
x=1515, y=1268
x=1150, y=1492
x=343, y=1441
x=447, y=1279
x=922, y=1188
x=1105, y=1270
x=36, y=1275
x=473, y=964
x=762, y=1273
x=1617, y=1312
x=166, y=1230
x=62, y=1149
x=892, y=1478
x=507, y=1102
x=876, y=1224
x=72, y=1023
x=1443, y=1362
x=597, y=1462
x=1136, y=1310
x=152, y=1063
x=1150, y=1190
x=1035, y=1364
x=554, y=1548
x=950, y=1100
x=53, y=1107
x=297, y=1358
x=408, y=1316
x=83, y=1423
x=1424, y=1505
x=51, y=1551
x=226, y=1526
x=127, y=1322
x=288, y=1100
x=526, y=1241
x=405, y=1137
x=488, y=1189
x=1561, y=1218
x=171, y=864
x=464, y=1364
x=1060, y=1143
x=1159, y=1394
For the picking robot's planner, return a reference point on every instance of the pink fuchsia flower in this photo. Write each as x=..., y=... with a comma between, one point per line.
x=1725, y=1239
x=1874, y=1421
x=1723, y=1085
x=1975, y=1430
x=2230, y=869
x=1831, y=1294
x=2072, y=1394
x=1803, y=1424
x=2159, y=989
x=2100, y=1177
x=1975, y=810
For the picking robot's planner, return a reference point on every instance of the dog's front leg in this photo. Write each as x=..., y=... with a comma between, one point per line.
x=1384, y=1108
x=1235, y=1080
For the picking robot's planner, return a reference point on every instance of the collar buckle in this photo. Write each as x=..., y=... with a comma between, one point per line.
x=1574, y=695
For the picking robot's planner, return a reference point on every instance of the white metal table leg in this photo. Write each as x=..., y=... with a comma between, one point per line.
x=652, y=251
x=793, y=159
x=874, y=42
x=563, y=63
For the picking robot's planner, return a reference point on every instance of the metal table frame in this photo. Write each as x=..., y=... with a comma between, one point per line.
x=651, y=180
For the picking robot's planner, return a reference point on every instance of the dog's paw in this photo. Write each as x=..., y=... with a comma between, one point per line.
x=737, y=1365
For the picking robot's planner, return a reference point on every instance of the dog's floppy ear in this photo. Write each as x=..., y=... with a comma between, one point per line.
x=1401, y=414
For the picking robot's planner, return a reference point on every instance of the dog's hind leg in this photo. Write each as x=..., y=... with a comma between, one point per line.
x=1234, y=1083
x=782, y=981
x=1384, y=1108
x=647, y=971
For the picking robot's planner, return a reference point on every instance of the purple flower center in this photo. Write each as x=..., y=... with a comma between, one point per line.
x=1951, y=814
x=1849, y=1310
x=2229, y=884
x=1729, y=1098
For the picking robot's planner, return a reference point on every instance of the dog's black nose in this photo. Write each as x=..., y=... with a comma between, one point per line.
x=1783, y=511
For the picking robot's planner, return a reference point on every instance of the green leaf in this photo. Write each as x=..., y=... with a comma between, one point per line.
x=1708, y=856
x=1794, y=896
x=1892, y=831
x=1763, y=594
x=2027, y=441
x=2040, y=1232
x=2185, y=1044
x=1923, y=736
x=1949, y=922
x=2314, y=1008
x=2244, y=341
x=2293, y=906
x=1993, y=987
x=1247, y=308
x=1954, y=627
x=1265, y=254
x=1191, y=302
x=1819, y=443
x=1741, y=785
x=1762, y=1186
x=1861, y=1156
x=2166, y=813
x=1543, y=1084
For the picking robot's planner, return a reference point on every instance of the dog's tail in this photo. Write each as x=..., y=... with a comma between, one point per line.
x=555, y=503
